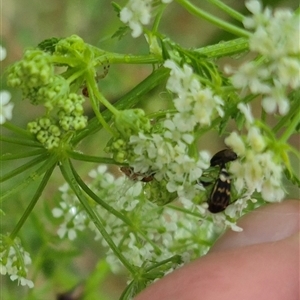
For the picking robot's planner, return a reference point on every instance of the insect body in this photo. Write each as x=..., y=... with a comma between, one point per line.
x=220, y=195
x=129, y=172
x=222, y=157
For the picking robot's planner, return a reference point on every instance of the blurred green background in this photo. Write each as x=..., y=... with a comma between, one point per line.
x=64, y=266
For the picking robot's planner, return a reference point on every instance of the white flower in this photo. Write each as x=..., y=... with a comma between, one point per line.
x=5, y=107
x=181, y=82
x=245, y=109
x=256, y=140
x=276, y=40
x=277, y=97
x=136, y=14
x=288, y=69
x=2, y=53
x=251, y=76
x=21, y=280
x=257, y=170
x=235, y=142
x=195, y=104
x=65, y=230
x=205, y=104
x=15, y=262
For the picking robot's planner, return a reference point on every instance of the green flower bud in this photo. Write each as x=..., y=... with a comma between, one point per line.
x=131, y=121
x=69, y=45
x=157, y=192
x=33, y=127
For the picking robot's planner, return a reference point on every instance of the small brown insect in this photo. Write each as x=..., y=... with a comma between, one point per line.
x=220, y=196
x=222, y=157
x=129, y=172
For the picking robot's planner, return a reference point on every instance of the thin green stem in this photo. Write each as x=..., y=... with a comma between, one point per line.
x=174, y=258
x=197, y=215
x=66, y=170
x=90, y=158
x=227, y=48
x=117, y=58
x=287, y=118
x=24, y=154
x=129, y=100
x=102, y=203
x=96, y=96
x=19, y=141
x=230, y=11
x=158, y=17
x=24, y=167
x=213, y=19
x=32, y=177
x=91, y=83
x=291, y=127
x=110, y=209
x=129, y=291
x=18, y=130
x=70, y=61
x=33, y=201
x=75, y=75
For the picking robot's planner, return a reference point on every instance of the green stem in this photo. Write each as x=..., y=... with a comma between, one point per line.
x=24, y=167
x=227, y=48
x=18, y=130
x=102, y=203
x=283, y=121
x=174, y=258
x=66, y=170
x=212, y=19
x=90, y=158
x=25, y=154
x=117, y=58
x=33, y=202
x=91, y=83
x=177, y=208
x=129, y=291
x=32, y=177
x=291, y=127
x=94, y=96
x=129, y=100
x=230, y=11
x=75, y=75
x=70, y=61
x=158, y=17
x=19, y=141
x=110, y=209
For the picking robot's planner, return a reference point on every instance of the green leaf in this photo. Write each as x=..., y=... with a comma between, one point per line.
x=121, y=32
x=49, y=45
x=117, y=8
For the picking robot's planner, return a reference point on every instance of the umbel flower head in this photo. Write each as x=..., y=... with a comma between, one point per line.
x=35, y=75
x=170, y=233
x=14, y=260
x=276, y=72
x=259, y=168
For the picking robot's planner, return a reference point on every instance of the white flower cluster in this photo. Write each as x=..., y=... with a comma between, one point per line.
x=137, y=13
x=5, y=107
x=257, y=169
x=14, y=260
x=155, y=233
x=276, y=39
x=74, y=216
x=168, y=154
